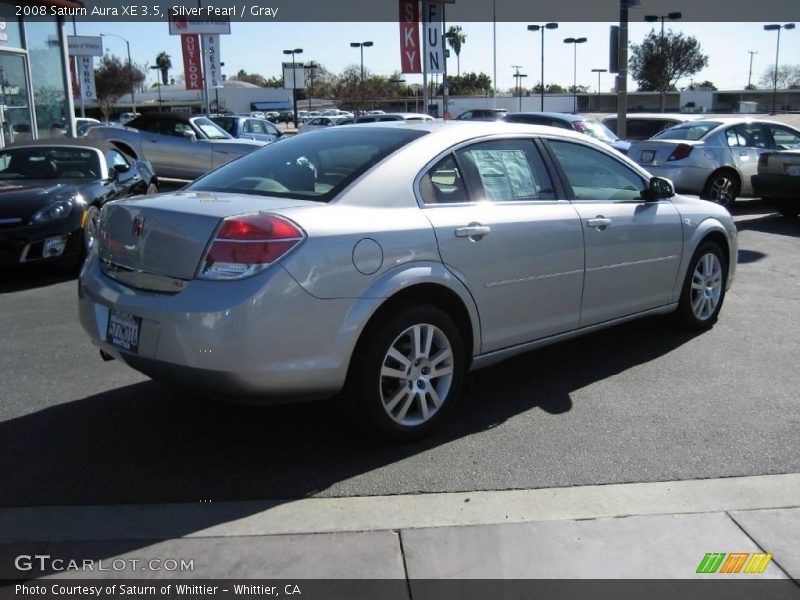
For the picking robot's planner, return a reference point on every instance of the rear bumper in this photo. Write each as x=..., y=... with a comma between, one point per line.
x=259, y=340
x=776, y=186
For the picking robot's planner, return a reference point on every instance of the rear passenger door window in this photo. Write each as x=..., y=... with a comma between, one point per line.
x=443, y=184
x=505, y=170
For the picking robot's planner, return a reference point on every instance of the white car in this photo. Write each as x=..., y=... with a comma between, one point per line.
x=319, y=123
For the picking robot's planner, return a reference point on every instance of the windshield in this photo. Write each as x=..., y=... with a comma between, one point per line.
x=693, y=130
x=49, y=162
x=211, y=130
x=313, y=166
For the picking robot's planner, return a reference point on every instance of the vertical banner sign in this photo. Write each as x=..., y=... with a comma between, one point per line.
x=434, y=26
x=192, y=69
x=409, y=36
x=211, y=67
x=73, y=75
x=86, y=74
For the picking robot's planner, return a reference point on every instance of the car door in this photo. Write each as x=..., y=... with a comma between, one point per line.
x=127, y=180
x=633, y=246
x=746, y=142
x=501, y=230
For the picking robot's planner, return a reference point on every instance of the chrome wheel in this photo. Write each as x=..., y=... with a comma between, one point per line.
x=416, y=374
x=722, y=190
x=90, y=227
x=706, y=286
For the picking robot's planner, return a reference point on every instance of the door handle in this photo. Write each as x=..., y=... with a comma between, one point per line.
x=743, y=153
x=600, y=222
x=473, y=231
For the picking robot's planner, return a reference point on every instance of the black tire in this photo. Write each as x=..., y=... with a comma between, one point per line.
x=788, y=208
x=152, y=188
x=367, y=389
x=722, y=187
x=688, y=315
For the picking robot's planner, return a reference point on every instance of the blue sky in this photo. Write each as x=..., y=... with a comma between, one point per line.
x=257, y=47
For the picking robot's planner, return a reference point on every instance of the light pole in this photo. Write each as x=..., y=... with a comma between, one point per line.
x=574, y=42
x=776, y=27
x=294, y=51
x=542, y=28
x=750, y=73
x=157, y=69
x=312, y=69
x=599, y=72
x=396, y=81
x=673, y=16
x=518, y=76
x=130, y=68
x=216, y=90
x=361, y=84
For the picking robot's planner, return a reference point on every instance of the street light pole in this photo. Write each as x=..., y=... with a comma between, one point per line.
x=518, y=76
x=130, y=68
x=294, y=81
x=542, y=28
x=750, y=73
x=574, y=42
x=599, y=72
x=158, y=83
x=776, y=27
x=361, y=83
x=673, y=16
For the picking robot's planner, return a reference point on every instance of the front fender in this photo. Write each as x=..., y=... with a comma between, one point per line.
x=694, y=238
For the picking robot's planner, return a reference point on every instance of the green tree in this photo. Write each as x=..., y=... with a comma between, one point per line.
x=469, y=84
x=253, y=78
x=164, y=64
x=455, y=39
x=112, y=80
x=660, y=60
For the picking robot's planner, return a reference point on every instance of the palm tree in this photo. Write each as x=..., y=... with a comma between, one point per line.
x=164, y=64
x=455, y=39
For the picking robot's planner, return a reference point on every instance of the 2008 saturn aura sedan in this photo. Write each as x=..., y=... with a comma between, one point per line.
x=383, y=261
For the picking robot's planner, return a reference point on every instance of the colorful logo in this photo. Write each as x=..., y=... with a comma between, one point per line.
x=735, y=562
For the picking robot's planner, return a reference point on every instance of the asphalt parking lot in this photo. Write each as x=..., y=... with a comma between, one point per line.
x=641, y=402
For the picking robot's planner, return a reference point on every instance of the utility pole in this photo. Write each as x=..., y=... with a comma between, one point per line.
x=750, y=73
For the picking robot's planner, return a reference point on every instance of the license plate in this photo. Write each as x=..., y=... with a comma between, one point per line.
x=793, y=170
x=648, y=156
x=123, y=330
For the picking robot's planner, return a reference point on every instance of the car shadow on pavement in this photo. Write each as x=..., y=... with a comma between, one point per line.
x=143, y=443
x=17, y=279
x=774, y=223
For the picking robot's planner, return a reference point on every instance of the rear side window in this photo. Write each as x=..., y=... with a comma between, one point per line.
x=746, y=135
x=443, y=183
x=505, y=170
x=593, y=175
x=784, y=138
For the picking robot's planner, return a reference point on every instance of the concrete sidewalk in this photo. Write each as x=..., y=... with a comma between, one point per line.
x=640, y=530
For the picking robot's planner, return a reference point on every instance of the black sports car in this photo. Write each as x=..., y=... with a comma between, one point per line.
x=51, y=193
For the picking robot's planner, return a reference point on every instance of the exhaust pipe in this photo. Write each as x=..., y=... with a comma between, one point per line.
x=105, y=356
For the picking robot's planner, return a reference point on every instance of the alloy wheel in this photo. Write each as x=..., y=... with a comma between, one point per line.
x=722, y=190
x=416, y=374
x=706, y=286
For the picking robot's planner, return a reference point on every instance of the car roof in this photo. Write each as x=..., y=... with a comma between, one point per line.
x=170, y=115
x=471, y=129
x=95, y=143
x=552, y=115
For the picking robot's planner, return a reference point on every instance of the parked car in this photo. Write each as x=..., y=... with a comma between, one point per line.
x=249, y=128
x=643, y=126
x=590, y=127
x=386, y=260
x=387, y=117
x=61, y=128
x=778, y=180
x=51, y=193
x=715, y=158
x=128, y=116
x=314, y=123
x=483, y=114
x=180, y=146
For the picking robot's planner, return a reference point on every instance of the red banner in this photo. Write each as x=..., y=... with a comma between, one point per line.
x=192, y=69
x=73, y=73
x=409, y=37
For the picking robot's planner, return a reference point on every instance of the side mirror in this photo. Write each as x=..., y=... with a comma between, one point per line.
x=659, y=188
x=117, y=170
x=190, y=135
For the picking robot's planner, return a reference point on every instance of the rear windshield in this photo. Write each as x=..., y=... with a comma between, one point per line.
x=311, y=166
x=693, y=130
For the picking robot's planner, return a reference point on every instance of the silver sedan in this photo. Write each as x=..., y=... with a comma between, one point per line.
x=384, y=261
x=714, y=158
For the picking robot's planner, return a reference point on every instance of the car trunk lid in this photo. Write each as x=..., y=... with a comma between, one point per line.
x=657, y=152
x=141, y=240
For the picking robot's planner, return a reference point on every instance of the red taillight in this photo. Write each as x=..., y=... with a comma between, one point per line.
x=682, y=151
x=580, y=126
x=763, y=160
x=248, y=244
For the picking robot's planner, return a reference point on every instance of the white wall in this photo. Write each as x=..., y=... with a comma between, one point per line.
x=552, y=103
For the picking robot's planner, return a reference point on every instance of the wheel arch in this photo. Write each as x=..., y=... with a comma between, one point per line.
x=725, y=169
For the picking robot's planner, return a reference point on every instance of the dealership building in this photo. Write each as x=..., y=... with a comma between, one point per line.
x=34, y=76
